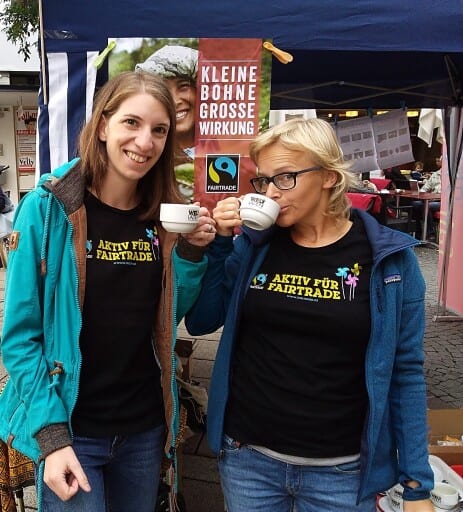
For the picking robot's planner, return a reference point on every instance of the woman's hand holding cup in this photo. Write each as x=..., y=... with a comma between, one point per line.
x=205, y=229
x=226, y=215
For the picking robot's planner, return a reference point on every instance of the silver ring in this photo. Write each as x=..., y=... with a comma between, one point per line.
x=211, y=228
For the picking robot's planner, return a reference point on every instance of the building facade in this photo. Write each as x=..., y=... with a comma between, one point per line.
x=19, y=84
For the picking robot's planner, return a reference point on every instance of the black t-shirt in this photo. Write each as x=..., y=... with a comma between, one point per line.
x=298, y=383
x=120, y=390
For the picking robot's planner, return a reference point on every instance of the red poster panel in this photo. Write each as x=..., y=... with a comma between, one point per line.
x=228, y=100
x=221, y=91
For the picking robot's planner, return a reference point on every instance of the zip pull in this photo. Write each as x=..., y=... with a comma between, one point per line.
x=99, y=59
x=55, y=373
x=283, y=57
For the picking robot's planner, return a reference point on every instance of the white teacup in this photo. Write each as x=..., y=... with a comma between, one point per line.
x=179, y=218
x=395, y=497
x=396, y=492
x=258, y=211
x=444, y=496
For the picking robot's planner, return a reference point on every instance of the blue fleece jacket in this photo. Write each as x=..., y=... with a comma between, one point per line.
x=394, y=442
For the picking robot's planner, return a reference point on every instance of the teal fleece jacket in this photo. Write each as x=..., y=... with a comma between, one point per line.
x=44, y=293
x=394, y=442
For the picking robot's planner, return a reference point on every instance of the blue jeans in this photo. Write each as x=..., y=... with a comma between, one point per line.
x=123, y=472
x=254, y=482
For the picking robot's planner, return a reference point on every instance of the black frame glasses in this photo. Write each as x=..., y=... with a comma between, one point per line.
x=282, y=181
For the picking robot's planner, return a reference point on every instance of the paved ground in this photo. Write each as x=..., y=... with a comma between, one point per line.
x=444, y=375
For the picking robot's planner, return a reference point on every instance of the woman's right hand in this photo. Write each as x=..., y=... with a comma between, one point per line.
x=64, y=474
x=226, y=215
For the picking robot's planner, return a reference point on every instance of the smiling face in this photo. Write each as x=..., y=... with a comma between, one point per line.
x=308, y=200
x=184, y=94
x=135, y=136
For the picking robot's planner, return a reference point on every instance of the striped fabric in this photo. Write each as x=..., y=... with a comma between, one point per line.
x=70, y=83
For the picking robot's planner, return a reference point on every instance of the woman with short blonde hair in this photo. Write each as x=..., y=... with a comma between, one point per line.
x=317, y=399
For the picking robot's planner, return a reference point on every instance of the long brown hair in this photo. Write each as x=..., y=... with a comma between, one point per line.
x=159, y=184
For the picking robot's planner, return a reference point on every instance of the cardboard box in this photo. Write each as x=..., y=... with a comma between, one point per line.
x=442, y=422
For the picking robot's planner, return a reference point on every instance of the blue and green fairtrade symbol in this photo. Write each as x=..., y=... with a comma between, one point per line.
x=222, y=164
x=259, y=279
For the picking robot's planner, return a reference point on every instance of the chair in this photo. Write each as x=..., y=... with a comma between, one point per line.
x=362, y=201
x=381, y=183
x=401, y=218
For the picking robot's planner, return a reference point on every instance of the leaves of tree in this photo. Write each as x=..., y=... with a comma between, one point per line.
x=20, y=19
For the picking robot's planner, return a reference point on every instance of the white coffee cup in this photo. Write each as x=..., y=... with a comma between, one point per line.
x=179, y=218
x=444, y=496
x=258, y=211
x=395, y=497
x=396, y=503
x=397, y=492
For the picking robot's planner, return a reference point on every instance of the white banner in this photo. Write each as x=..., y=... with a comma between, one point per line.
x=356, y=138
x=392, y=139
x=376, y=143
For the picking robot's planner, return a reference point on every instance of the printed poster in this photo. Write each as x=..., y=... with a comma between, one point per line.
x=25, y=121
x=357, y=141
x=378, y=142
x=392, y=139
x=221, y=89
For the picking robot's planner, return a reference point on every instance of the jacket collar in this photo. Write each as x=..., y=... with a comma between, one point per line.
x=383, y=240
x=67, y=184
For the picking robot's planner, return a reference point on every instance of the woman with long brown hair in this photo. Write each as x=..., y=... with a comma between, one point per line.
x=95, y=289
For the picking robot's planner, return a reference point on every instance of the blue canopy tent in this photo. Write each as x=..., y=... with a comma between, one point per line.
x=355, y=54
x=347, y=53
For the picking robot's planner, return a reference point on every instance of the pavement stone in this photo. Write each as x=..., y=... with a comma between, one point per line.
x=443, y=345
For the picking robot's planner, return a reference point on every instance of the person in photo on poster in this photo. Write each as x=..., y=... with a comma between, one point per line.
x=179, y=66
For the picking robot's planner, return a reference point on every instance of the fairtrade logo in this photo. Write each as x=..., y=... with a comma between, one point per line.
x=222, y=173
x=259, y=281
x=88, y=249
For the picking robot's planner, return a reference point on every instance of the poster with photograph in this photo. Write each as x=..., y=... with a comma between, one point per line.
x=357, y=141
x=25, y=125
x=221, y=89
x=392, y=139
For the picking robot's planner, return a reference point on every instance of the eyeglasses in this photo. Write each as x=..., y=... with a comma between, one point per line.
x=282, y=181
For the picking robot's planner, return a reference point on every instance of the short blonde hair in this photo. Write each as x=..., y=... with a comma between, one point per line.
x=317, y=138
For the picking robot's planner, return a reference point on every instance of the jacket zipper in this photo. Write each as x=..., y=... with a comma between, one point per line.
x=367, y=371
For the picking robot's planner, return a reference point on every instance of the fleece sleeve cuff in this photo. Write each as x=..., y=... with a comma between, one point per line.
x=188, y=251
x=52, y=438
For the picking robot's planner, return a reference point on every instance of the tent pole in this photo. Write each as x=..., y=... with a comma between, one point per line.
x=42, y=55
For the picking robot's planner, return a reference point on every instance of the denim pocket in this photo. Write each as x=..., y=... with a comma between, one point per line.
x=229, y=446
x=349, y=467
